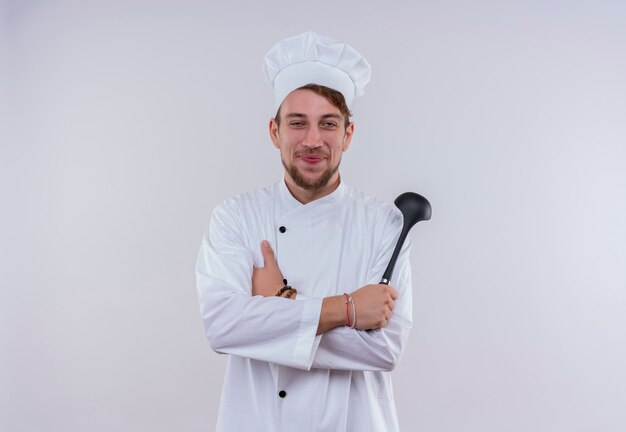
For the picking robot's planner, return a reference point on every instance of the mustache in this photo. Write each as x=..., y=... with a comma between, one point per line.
x=311, y=153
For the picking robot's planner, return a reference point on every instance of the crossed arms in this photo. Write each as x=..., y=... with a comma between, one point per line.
x=242, y=315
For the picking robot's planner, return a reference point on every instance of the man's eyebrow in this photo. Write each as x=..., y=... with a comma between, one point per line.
x=335, y=116
x=324, y=116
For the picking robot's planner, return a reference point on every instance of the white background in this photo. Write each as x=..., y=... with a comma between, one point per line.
x=124, y=122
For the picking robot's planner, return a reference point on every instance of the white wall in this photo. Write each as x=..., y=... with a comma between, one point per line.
x=129, y=120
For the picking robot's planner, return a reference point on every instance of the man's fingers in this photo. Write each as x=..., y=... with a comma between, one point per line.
x=393, y=293
x=388, y=289
x=268, y=254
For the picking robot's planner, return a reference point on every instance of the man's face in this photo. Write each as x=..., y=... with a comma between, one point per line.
x=311, y=138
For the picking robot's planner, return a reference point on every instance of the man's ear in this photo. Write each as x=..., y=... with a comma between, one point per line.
x=273, y=129
x=347, y=138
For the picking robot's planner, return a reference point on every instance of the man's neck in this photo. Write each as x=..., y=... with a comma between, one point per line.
x=305, y=196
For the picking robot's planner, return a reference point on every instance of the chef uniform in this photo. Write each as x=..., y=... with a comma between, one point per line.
x=281, y=376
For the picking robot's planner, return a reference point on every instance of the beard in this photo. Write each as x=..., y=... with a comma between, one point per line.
x=300, y=181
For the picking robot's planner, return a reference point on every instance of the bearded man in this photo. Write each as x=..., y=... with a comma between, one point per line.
x=287, y=274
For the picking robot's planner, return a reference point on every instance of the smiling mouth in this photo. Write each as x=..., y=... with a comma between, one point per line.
x=311, y=159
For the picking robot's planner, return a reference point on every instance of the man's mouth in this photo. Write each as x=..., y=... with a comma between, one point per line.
x=311, y=158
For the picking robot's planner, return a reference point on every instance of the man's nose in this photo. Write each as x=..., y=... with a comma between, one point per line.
x=313, y=138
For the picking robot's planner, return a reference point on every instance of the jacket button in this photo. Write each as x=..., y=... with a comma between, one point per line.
x=282, y=393
x=282, y=229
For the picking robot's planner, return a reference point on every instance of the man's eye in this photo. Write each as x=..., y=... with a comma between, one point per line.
x=296, y=124
x=329, y=125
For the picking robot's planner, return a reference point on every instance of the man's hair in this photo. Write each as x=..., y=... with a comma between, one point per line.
x=331, y=95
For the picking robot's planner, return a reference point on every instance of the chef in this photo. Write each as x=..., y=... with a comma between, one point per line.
x=288, y=274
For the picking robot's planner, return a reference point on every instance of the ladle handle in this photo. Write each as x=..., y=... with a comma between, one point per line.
x=394, y=257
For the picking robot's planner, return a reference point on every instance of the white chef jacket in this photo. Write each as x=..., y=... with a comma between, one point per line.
x=281, y=377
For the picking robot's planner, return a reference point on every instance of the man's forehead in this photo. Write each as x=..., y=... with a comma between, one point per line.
x=307, y=102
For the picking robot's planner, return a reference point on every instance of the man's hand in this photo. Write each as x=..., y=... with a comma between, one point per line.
x=374, y=305
x=267, y=280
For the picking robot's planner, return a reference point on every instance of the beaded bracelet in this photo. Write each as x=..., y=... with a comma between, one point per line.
x=290, y=292
x=280, y=292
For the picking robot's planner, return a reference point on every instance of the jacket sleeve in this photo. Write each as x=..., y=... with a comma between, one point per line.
x=380, y=349
x=270, y=329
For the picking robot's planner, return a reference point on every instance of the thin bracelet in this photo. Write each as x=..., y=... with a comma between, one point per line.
x=353, y=312
x=349, y=302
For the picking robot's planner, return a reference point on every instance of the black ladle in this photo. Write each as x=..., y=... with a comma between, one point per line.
x=414, y=208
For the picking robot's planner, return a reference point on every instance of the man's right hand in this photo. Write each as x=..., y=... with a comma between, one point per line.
x=374, y=305
x=268, y=279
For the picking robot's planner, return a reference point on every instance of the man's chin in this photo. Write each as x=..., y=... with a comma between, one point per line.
x=309, y=182
x=311, y=185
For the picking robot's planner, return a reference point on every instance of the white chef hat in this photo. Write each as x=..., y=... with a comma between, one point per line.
x=311, y=58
